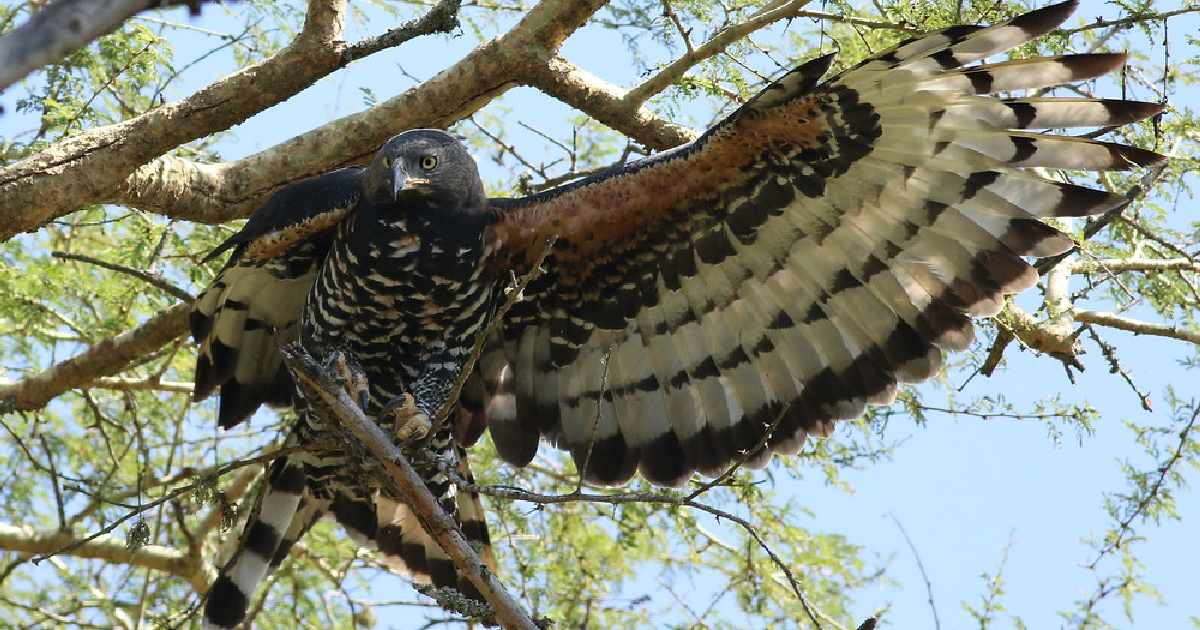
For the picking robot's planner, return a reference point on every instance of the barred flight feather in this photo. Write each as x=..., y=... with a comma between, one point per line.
x=822, y=244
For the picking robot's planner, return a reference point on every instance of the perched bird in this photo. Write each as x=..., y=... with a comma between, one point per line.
x=384, y=265
x=712, y=304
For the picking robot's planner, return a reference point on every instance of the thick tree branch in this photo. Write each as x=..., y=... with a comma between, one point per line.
x=214, y=193
x=103, y=359
x=416, y=495
x=107, y=548
x=60, y=28
x=93, y=166
x=1037, y=335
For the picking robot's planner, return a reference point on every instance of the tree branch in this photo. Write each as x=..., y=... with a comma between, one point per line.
x=1126, y=22
x=1117, y=265
x=214, y=193
x=149, y=278
x=605, y=102
x=63, y=27
x=107, y=548
x=95, y=166
x=103, y=359
x=411, y=487
x=773, y=12
x=520, y=494
x=1137, y=327
x=1036, y=335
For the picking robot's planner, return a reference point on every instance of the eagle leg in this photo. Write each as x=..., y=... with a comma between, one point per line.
x=408, y=421
x=345, y=369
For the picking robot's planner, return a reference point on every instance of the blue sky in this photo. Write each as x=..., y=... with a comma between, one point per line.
x=962, y=487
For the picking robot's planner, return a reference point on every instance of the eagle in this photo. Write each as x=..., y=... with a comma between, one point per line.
x=712, y=304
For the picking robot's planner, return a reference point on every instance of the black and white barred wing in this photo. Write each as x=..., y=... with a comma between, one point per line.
x=822, y=244
x=255, y=303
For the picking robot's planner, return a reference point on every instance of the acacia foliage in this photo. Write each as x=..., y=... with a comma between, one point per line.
x=101, y=453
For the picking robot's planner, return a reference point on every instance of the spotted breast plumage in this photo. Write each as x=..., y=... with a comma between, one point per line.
x=715, y=303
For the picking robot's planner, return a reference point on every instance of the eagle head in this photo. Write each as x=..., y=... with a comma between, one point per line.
x=428, y=173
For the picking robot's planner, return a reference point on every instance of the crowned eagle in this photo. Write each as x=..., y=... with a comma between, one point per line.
x=715, y=303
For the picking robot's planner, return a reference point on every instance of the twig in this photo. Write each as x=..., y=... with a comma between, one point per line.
x=715, y=45
x=684, y=34
x=150, y=278
x=1129, y=21
x=937, y=624
x=409, y=484
x=1125, y=526
x=743, y=457
x=520, y=494
x=513, y=295
x=1096, y=224
x=73, y=544
x=983, y=415
x=1114, y=365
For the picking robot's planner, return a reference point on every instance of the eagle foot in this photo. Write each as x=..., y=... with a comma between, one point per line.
x=409, y=422
x=344, y=368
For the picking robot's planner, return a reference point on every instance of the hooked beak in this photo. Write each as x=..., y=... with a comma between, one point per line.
x=401, y=182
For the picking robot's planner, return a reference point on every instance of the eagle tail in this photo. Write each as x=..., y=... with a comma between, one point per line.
x=405, y=547
x=276, y=522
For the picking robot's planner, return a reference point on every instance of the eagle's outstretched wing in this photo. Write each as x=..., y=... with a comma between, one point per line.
x=256, y=301
x=819, y=245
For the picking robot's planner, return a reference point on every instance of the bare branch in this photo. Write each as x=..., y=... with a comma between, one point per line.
x=125, y=384
x=1117, y=265
x=60, y=28
x=442, y=17
x=937, y=624
x=1128, y=21
x=103, y=359
x=617, y=498
x=605, y=102
x=108, y=548
x=773, y=12
x=149, y=278
x=1138, y=327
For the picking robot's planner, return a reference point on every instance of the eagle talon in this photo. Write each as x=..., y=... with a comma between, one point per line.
x=345, y=369
x=409, y=423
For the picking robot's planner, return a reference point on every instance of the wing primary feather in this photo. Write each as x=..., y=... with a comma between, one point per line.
x=818, y=246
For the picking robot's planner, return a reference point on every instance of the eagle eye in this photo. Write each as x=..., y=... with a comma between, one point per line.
x=429, y=162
